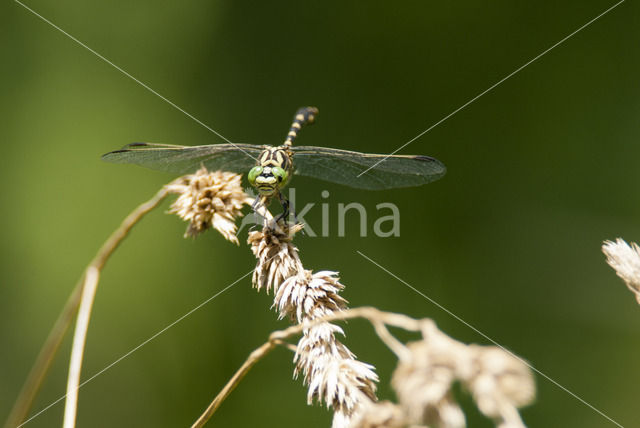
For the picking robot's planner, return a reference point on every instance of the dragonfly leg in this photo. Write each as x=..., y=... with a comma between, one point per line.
x=285, y=208
x=261, y=202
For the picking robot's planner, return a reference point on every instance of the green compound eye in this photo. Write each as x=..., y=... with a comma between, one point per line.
x=280, y=174
x=253, y=174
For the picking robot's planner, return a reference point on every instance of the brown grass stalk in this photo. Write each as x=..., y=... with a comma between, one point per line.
x=513, y=388
x=50, y=347
x=278, y=337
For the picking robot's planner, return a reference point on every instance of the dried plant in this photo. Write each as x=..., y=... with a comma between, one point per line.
x=498, y=381
x=277, y=257
x=84, y=292
x=329, y=368
x=383, y=414
x=209, y=200
x=625, y=259
x=427, y=369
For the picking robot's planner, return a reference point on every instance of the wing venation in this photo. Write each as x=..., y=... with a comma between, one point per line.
x=345, y=167
x=237, y=158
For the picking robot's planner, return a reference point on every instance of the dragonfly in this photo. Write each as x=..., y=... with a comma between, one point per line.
x=270, y=168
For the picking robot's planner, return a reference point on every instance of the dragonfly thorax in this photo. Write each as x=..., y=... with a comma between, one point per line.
x=275, y=156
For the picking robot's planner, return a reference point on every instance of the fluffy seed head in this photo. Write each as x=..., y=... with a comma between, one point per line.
x=500, y=384
x=330, y=370
x=625, y=259
x=423, y=382
x=277, y=256
x=384, y=414
x=308, y=296
x=209, y=200
x=498, y=381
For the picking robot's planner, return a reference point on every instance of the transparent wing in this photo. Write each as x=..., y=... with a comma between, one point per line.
x=187, y=159
x=344, y=167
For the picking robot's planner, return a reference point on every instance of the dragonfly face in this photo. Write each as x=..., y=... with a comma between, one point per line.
x=272, y=172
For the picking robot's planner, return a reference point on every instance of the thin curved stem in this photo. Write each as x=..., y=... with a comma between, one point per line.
x=253, y=358
x=392, y=343
x=77, y=350
x=277, y=337
x=44, y=359
x=50, y=347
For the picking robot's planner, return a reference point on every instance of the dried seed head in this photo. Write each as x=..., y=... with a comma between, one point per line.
x=328, y=366
x=330, y=370
x=423, y=382
x=308, y=296
x=277, y=256
x=381, y=415
x=625, y=259
x=500, y=384
x=209, y=199
x=498, y=381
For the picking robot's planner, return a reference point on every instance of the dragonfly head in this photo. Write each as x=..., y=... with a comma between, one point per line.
x=268, y=179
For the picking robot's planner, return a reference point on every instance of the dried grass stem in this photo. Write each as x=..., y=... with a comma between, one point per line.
x=499, y=381
x=372, y=314
x=49, y=349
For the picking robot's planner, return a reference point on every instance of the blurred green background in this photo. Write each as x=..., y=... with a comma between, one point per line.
x=541, y=170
